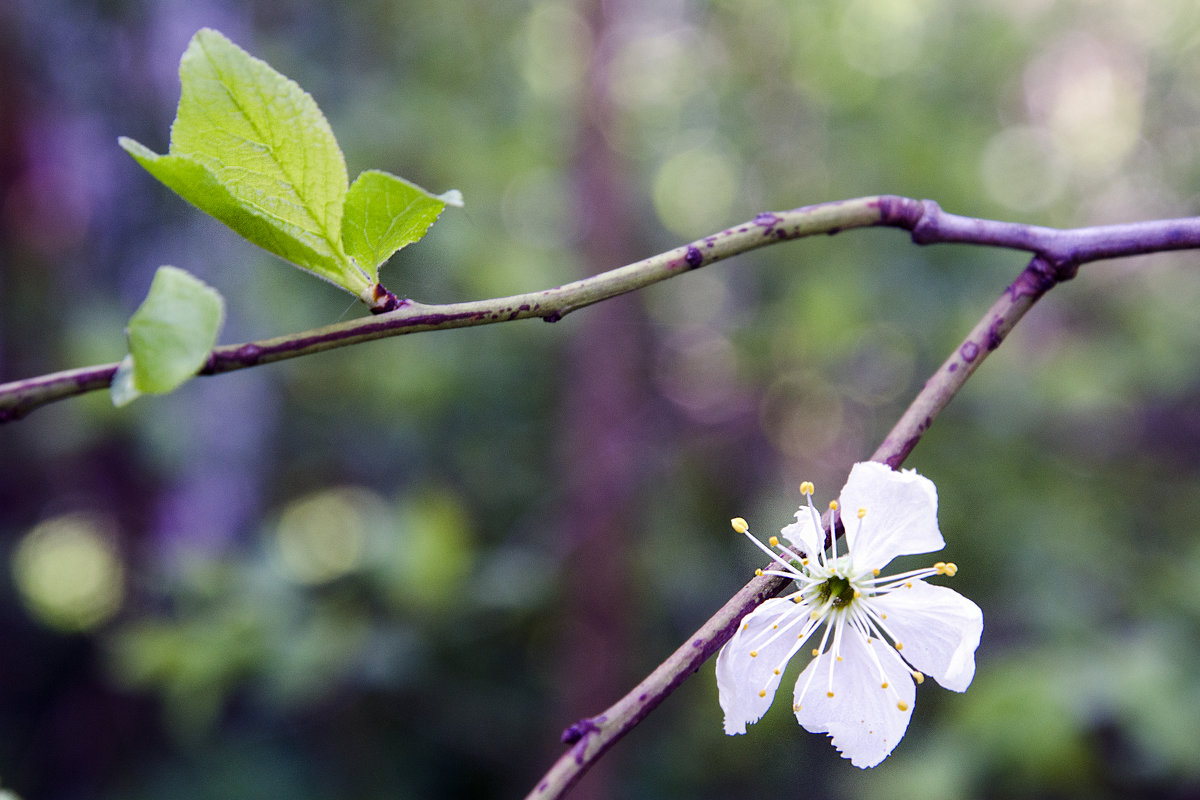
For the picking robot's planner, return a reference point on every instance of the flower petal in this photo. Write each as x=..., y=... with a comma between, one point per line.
x=746, y=683
x=939, y=629
x=901, y=514
x=865, y=720
x=805, y=534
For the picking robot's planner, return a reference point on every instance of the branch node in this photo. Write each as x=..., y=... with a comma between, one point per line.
x=1054, y=269
x=585, y=727
x=902, y=212
x=925, y=229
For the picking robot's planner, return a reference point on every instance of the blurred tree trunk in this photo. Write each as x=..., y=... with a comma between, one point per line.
x=603, y=450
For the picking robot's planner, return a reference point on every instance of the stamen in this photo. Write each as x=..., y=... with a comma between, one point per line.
x=791, y=572
x=918, y=677
x=754, y=654
x=773, y=541
x=836, y=649
x=763, y=693
x=902, y=706
x=819, y=648
x=862, y=512
x=807, y=488
x=739, y=524
x=833, y=507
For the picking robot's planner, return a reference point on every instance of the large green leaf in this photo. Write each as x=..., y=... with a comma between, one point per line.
x=383, y=214
x=252, y=148
x=170, y=335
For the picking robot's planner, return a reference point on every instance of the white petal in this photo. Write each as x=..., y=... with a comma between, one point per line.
x=939, y=629
x=865, y=720
x=804, y=533
x=746, y=684
x=901, y=514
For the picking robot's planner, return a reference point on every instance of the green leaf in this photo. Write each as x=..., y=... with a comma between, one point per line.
x=250, y=147
x=170, y=335
x=383, y=214
x=193, y=182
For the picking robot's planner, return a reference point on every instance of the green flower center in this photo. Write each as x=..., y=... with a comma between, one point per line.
x=836, y=591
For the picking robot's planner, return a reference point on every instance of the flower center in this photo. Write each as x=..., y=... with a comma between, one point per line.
x=836, y=591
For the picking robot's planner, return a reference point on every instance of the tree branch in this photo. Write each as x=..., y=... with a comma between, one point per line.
x=591, y=737
x=1062, y=251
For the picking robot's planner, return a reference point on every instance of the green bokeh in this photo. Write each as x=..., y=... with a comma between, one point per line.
x=541, y=510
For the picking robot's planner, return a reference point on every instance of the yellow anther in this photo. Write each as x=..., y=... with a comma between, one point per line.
x=754, y=654
x=745, y=626
x=816, y=652
x=758, y=572
x=829, y=694
x=883, y=616
x=875, y=572
x=908, y=584
x=899, y=646
x=918, y=677
x=773, y=541
x=884, y=685
x=762, y=692
x=777, y=670
x=739, y=524
x=902, y=706
x=833, y=506
x=945, y=568
x=807, y=488
x=862, y=512
x=839, y=658
x=775, y=626
x=857, y=594
x=797, y=598
x=796, y=706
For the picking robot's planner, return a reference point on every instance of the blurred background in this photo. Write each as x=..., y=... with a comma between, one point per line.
x=401, y=569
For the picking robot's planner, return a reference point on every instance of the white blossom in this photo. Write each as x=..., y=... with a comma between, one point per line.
x=871, y=639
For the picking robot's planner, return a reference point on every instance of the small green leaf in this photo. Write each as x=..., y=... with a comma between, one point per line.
x=170, y=335
x=250, y=147
x=383, y=214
